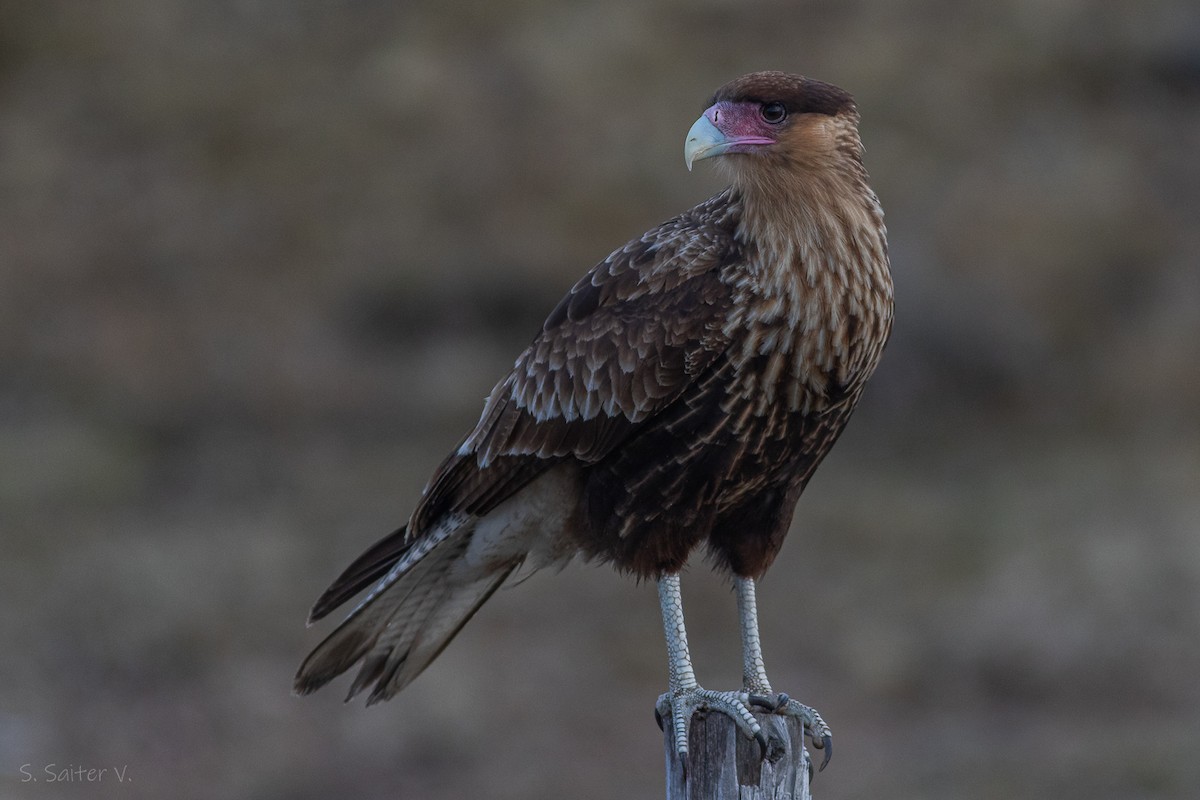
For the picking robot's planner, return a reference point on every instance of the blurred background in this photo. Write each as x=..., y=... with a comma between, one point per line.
x=262, y=261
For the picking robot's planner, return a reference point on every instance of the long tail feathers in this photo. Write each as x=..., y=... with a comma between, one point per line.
x=366, y=570
x=406, y=621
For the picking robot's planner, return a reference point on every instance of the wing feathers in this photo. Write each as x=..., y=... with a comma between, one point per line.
x=627, y=339
x=626, y=342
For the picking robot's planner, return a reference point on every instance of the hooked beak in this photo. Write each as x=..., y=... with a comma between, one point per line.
x=704, y=140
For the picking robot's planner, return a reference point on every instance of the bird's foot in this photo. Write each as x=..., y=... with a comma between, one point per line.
x=779, y=703
x=682, y=703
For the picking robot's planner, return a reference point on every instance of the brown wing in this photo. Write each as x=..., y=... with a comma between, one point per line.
x=626, y=342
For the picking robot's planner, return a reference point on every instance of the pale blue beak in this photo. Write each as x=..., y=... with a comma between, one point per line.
x=704, y=140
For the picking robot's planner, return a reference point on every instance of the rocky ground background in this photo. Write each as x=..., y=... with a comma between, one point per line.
x=262, y=261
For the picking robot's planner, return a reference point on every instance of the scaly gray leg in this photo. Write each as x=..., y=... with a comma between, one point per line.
x=685, y=696
x=754, y=674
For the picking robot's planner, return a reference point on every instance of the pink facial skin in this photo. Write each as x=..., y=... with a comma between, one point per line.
x=742, y=124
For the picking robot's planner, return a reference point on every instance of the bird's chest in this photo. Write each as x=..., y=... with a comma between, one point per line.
x=812, y=304
x=803, y=346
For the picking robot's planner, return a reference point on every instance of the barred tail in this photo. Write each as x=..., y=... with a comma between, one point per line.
x=406, y=621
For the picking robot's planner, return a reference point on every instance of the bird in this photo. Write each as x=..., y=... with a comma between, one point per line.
x=678, y=398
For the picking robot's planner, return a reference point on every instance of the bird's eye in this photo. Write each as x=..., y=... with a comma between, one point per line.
x=773, y=113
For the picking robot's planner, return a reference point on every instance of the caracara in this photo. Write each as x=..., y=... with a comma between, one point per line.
x=681, y=395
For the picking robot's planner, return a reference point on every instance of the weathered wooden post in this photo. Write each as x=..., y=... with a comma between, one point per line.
x=722, y=764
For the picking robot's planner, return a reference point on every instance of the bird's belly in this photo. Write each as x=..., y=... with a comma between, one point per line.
x=768, y=452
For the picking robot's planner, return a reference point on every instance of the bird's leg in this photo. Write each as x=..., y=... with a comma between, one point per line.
x=754, y=674
x=685, y=695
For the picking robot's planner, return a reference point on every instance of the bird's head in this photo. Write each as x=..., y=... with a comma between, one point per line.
x=773, y=120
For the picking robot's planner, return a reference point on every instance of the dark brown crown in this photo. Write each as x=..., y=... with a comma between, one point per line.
x=798, y=94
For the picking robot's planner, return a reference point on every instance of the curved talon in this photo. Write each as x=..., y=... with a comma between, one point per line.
x=760, y=701
x=770, y=704
x=826, y=745
x=658, y=719
x=763, y=745
x=814, y=726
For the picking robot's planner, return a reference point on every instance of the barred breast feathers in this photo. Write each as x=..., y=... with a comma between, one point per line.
x=816, y=295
